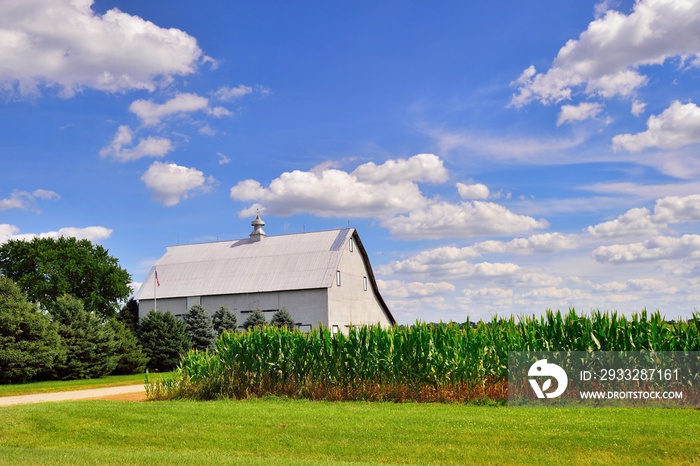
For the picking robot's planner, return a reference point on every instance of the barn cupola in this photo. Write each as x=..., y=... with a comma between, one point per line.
x=257, y=234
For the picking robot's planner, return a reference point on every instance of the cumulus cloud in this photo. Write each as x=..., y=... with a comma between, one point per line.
x=488, y=293
x=636, y=284
x=151, y=113
x=148, y=147
x=677, y=126
x=450, y=258
x=445, y=220
x=581, y=112
x=440, y=259
x=92, y=233
x=25, y=200
x=7, y=232
x=605, y=59
x=171, y=183
x=660, y=248
x=419, y=168
x=370, y=190
x=400, y=289
x=551, y=292
x=536, y=279
x=473, y=191
x=389, y=192
x=638, y=107
x=65, y=43
x=637, y=221
x=544, y=243
x=489, y=269
x=641, y=221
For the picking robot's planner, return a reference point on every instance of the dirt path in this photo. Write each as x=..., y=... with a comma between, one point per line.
x=122, y=393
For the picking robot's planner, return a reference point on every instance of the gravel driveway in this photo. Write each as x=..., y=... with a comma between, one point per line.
x=108, y=392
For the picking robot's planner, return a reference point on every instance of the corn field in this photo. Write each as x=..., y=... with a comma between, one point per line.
x=423, y=362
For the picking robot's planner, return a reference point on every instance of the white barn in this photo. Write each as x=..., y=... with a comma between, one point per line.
x=322, y=277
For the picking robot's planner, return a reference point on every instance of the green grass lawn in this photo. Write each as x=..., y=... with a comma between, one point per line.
x=64, y=385
x=274, y=431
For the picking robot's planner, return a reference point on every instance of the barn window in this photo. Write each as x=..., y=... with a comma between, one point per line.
x=351, y=244
x=335, y=330
x=364, y=283
x=337, y=277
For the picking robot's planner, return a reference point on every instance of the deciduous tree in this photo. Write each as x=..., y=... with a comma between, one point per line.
x=47, y=268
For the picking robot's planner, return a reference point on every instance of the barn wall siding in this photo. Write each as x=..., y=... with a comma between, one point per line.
x=308, y=307
x=350, y=303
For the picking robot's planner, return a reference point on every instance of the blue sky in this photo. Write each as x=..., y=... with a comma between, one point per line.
x=496, y=157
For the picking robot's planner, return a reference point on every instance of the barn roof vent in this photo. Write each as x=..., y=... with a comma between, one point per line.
x=257, y=234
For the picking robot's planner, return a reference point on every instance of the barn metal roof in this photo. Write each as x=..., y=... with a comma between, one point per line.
x=278, y=263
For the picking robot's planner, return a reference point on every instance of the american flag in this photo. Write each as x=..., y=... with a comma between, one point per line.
x=157, y=281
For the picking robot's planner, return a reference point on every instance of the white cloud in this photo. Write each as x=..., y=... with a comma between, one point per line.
x=581, y=112
x=370, y=190
x=551, y=292
x=385, y=192
x=488, y=293
x=638, y=107
x=677, y=126
x=151, y=113
x=507, y=149
x=659, y=248
x=645, y=285
x=419, y=168
x=489, y=269
x=544, y=243
x=644, y=191
x=605, y=58
x=635, y=221
x=450, y=258
x=439, y=259
x=473, y=191
x=7, y=232
x=641, y=221
x=228, y=94
x=135, y=287
x=649, y=284
x=675, y=209
x=223, y=158
x=64, y=42
x=26, y=200
x=535, y=279
x=445, y=220
x=172, y=183
x=610, y=287
x=93, y=233
x=400, y=289
x=149, y=147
